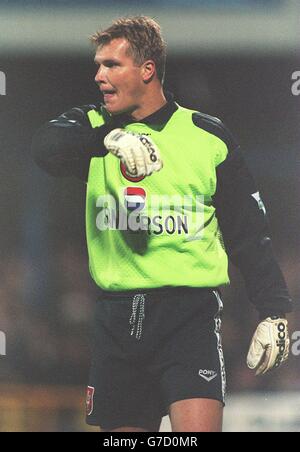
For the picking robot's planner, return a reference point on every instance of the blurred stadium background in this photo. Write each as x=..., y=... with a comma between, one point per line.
x=229, y=58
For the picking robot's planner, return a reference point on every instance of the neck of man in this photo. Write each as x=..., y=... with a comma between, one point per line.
x=152, y=101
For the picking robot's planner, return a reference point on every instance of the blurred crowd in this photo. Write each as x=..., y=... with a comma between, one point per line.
x=47, y=340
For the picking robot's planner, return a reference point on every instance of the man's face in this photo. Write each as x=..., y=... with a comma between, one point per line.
x=118, y=77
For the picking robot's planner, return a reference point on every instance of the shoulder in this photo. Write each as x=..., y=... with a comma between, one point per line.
x=98, y=115
x=85, y=115
x=215, y=127
x=86, y=108
x=76, y=115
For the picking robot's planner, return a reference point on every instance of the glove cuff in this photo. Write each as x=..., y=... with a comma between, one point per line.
x=266, y=314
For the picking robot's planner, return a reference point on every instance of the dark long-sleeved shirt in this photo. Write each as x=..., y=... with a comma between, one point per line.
x=66, y=146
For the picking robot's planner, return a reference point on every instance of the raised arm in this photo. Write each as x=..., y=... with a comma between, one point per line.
x=65, y=146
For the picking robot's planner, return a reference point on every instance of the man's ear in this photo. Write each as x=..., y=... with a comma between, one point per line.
x=148, y=71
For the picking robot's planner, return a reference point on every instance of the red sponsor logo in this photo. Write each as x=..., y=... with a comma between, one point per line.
x=128, y=177
x=90, y=400
x=135, y=198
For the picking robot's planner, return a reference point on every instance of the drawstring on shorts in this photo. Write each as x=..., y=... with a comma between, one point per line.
x=138, y=315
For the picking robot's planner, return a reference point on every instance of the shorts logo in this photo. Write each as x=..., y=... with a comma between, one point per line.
x=208, y=375
x=90, y=400
x=135, y=198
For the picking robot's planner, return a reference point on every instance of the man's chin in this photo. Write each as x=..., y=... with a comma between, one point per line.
x=115, y=110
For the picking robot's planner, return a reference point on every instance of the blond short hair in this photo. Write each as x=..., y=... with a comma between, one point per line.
x=144, y=37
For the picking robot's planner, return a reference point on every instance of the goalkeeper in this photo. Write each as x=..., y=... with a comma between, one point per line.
x=157, y=342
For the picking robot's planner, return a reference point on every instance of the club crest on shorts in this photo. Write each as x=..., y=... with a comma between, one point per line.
x=135, y=198
x=128, y=176
x=90, y=400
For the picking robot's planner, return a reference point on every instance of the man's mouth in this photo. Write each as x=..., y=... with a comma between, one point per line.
x=108, y=94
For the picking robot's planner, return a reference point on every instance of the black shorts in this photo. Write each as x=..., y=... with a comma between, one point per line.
x=152, y=350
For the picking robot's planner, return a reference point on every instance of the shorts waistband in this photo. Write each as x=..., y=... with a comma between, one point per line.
x=158, y=291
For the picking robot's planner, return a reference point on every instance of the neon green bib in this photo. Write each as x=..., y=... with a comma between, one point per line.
x=162, y=230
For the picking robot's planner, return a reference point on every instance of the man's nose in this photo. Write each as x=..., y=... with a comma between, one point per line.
x=100, y=78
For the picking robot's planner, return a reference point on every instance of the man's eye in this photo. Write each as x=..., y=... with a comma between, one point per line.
x=108, y=64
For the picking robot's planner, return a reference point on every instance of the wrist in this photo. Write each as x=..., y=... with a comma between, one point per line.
x=274, y=315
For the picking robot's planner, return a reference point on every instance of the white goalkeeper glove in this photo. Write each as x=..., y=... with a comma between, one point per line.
x=270, y=345
x=138, y=152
